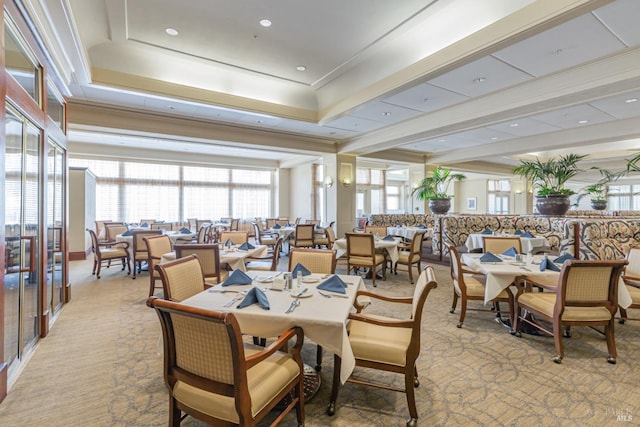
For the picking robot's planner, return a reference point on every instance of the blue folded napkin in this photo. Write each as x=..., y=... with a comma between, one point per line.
x=388, y=237
x=421, y=226
x=301, y=268
x=489, y=257
x=487, y=231
x=185, y=230
x=546, y=264
x=224, y=222
x=255, y=296
x=510, y=252
x=127, y=233
x=229, y=242
x=518, y=232
x=238, y=277
x=144, y=224
x=333, y=284
x=276, y=227
x=562, y=258
x=246, y=246
x=527, y=234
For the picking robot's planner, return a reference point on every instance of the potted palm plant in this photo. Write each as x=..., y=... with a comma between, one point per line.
x=550, y=176
x=434, y=189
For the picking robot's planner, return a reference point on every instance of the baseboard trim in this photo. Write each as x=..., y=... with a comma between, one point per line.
x=79, y=256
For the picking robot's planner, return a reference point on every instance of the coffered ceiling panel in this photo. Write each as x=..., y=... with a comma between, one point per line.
x=426, y=97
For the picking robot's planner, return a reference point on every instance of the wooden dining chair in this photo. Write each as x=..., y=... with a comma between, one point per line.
x=209, y=257
x=237, y=237
x=264, y=237
x=113, y=229
x=107, y=251
x=376, y=230
x=268, y=262
x=327, y=240
x=140, y=252
x=387, y=344
x=304, y=236
x=213, y=376
x=156, y=247
x=467, y=288
x=497, y=245
x=181, y=278
x=410, y=255
x=269, y=223
x=631, y=279
x=361, y=253
x=586, y=295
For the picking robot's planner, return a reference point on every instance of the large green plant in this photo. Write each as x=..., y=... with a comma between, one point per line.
x=551, y=175
x=436, y=185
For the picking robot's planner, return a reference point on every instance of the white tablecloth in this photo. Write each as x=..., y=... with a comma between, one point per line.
x=340, y=246
x=499, y=275
x=235, y=258
x=283, y=232
x=474, y=241
x=322, y=319
x=408, y=232
x=174, y=236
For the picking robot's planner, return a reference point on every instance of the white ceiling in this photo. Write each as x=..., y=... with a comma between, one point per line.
x=455, y=82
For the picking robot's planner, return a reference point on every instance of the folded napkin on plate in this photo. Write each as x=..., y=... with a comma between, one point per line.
x=255, y=296
x=489, y=257
x=144, y=224
x=487, y=231
x=546, y=264
x=388, y=237
x=510, y=252
x=185, y=230
x=276, y=227
x=127, y=233
x=229, y=242
x=301, y=268
x=527, y=234
x=562, y=258
x=421, y=226
x=238, y=277
x=246, y=246
x=333, y=284
x=518, y=232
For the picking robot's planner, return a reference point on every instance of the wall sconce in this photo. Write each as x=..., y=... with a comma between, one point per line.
x=346, y=174
x=328, y=181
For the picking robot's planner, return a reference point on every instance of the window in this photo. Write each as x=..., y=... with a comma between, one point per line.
x=129, y=191
x=371, y=192
x=623, y=197
x=498, y=195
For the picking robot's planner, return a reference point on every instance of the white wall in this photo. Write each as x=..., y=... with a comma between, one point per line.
x=301, y=192
x=82, y=209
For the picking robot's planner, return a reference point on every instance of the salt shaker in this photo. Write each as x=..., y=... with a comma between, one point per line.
x=299, y=279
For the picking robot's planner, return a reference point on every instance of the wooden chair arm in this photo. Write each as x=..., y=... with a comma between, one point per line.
x=393, y=323
x=278, y=344
x=631, y=281
x=403, y=300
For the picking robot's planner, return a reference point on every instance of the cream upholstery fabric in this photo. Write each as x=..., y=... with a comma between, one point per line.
x=379, y=343
x=545, y=302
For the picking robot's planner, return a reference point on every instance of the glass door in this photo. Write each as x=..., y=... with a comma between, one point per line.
x=22, y=221
x=54, y=291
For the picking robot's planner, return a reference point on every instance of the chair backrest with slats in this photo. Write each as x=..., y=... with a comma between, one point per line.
x=181, y=278
x=497, y=245
x=319, y=261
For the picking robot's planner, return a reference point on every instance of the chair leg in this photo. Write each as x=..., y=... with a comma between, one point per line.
x=411, y=398
x=623, y=315
x=318, y=358
x=95, y=265
x=611, y=341
x=410, y=272
x=99, y=268
x=454, y=303
x=463, y=312
x=174, y=413
x=335, y=387
x=557, y=339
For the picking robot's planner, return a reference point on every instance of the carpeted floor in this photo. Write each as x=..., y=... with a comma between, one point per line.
x=99, y=367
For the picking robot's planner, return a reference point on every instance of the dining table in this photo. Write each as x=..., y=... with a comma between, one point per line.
x=408, y=232
x=322, y=317
x=501, y=275
x=391, y=246
x=232, y=256
x=529, y=244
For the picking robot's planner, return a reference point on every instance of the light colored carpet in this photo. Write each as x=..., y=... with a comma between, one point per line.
x=99, y=367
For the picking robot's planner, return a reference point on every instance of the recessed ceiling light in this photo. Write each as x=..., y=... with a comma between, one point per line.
x=425, y=100
x=514, y=125
x=494, y=138
x=442, y=140
x=556, y=52
x=630, y=100
x=171, y=107
x=265, y=22
x=171, y=31
x=386, y=113
x=259, y=121
x=301, y=68
x=583, y=121
x=479, y=79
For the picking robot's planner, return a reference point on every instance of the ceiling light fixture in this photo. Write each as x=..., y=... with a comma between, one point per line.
x=442, y=140
x=171, y=31
x=171, y=107
x=514, y=125
x=556, y=52
x=630, y=100
x=265, y=22
x=583, y=121
x=301, y=68
x=494, y=138
x=479, y=79
x=386, y=113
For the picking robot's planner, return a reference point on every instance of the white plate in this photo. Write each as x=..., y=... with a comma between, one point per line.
x=309, y=279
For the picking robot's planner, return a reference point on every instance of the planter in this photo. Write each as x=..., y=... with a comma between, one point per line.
x=439, y=206
x=554, y=205
x=598, y=206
